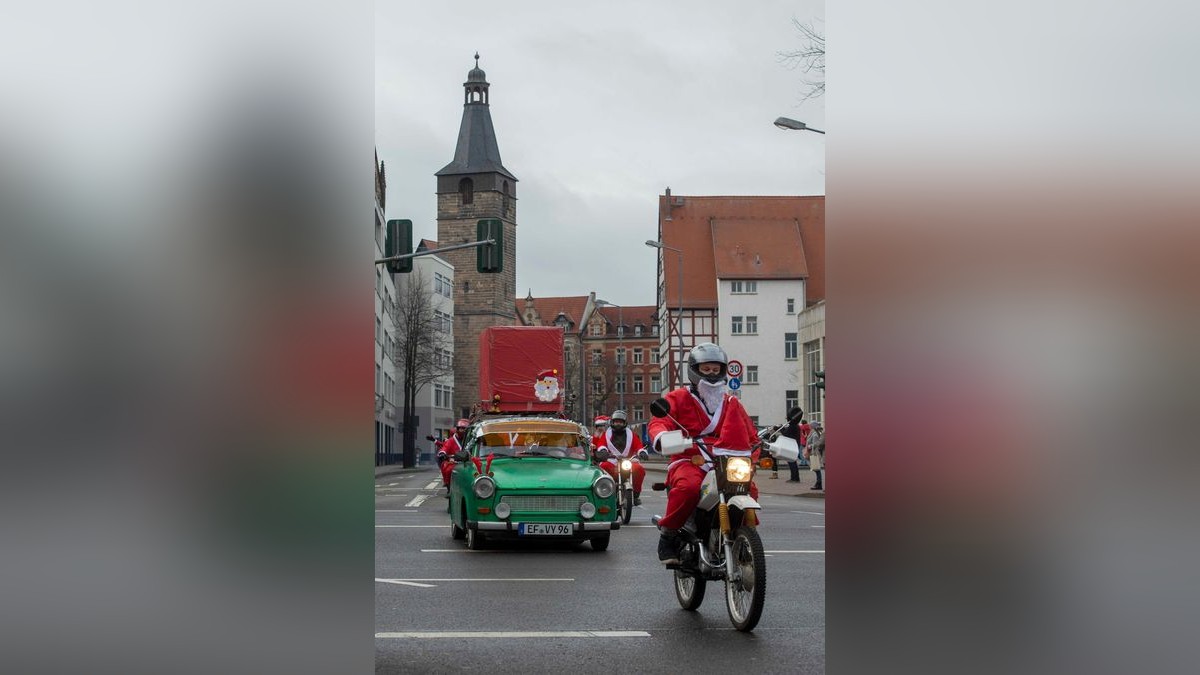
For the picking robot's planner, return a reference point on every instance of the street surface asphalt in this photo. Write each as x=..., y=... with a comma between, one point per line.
x=556, y=605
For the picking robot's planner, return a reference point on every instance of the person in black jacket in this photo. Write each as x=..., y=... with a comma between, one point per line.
x=793, y=431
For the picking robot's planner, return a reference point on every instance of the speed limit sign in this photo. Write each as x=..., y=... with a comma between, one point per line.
x=735, y=368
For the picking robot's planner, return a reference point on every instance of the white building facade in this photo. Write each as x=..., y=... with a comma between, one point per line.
x=757, y=327
x=387, y=442
x=434, y=403
x=811, y=326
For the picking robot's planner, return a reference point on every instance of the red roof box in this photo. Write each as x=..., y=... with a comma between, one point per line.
x=523, y=365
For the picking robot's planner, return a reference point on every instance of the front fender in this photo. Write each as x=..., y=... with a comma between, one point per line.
x=744, y=502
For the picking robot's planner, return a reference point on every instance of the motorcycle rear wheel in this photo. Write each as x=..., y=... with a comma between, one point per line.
x=689, y=590
x=626, y=506
x=745, y=596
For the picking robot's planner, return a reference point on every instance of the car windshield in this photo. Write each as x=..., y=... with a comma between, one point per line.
x=546, y=439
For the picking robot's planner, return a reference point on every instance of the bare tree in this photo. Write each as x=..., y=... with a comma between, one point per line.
x=810, y=59
x=422, y=350
x=607, y=371
x=573, y=402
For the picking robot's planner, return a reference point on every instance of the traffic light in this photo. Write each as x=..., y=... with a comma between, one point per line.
x=820, y=377
x=489, y=258
x=398, y=242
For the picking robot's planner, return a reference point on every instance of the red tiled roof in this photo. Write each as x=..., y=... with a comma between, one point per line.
x=692, y=226
x=632, y=316
x=428, y=244
x=548, y=308
x=762, y=249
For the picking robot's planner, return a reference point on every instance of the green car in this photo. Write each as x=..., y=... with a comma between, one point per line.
x=540, y=484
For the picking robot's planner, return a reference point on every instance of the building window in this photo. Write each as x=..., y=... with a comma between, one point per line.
x=735, y=325
x=620, y=356
x=789, y=346
x=620, y=331
x=378, y=283
x=620, y=384
x=378, y=379
x=596, y=329
x=597, y=386
x=813, y=397
x=751, y=375
x=638, y=356
x=654, y=330
x=597, y=356
x=466, y=190
x=752, y=325
x=378, y=331
x=637, y=330
x=791, y=305
x=655, y=383
x=637, y=413
x=639, y=384
x=791, y=400
x=751, y=286
x=735, y=287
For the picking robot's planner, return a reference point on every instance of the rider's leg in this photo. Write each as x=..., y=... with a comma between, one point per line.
x=639, y=475
x=684, y=480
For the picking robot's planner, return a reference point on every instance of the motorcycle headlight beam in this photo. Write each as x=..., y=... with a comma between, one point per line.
x=738, y=470
x=626, y=465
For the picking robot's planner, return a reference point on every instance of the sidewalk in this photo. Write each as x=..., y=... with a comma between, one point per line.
x=391, y=469
x=656, y=471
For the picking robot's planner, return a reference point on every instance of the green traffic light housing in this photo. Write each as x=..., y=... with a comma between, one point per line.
x=820, y=375
x=398, y=242
x=489, y=258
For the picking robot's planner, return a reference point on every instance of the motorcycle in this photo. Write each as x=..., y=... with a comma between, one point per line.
x=624, y=472
x=720, y=538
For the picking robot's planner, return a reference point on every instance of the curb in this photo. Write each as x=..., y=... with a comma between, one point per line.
x=392, y=469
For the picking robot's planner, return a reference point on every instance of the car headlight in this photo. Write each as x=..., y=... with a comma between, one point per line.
x=626, y=465
x=604, y=487
x=503, y=510
x=587, y=509
x=738, y=470
x=484, y=487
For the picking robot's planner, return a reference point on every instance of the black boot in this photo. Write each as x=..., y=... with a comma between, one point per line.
x=668, y=547
x=637, y=499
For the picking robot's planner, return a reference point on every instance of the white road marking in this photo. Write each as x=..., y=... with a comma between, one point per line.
x=418, y=500
x=811, y=513
x=433, y=485
x=386, y=581
x=514, y=634
x=391, y=484
x=397, y=511
x=818, y=526
x=400, y=582
x=795, y=551
x=463, y=550
x=379, y=526
x=625, y=526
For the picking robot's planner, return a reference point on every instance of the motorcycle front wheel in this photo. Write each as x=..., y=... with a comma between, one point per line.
x=744, y=596
x=689, y=590
x=627, y=506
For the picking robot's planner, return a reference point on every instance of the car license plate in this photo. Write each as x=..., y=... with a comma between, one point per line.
x=551, y=529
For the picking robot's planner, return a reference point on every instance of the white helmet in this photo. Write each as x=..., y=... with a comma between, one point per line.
x=707, y=353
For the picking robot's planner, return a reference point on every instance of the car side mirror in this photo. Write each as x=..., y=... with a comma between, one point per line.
x=660, y=408
x=462, y=456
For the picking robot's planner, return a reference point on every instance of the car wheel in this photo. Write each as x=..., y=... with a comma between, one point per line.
x=456, y=532
x=601, y=543
x=474, y=540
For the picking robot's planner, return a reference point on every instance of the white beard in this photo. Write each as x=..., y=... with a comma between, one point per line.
x=710, y=394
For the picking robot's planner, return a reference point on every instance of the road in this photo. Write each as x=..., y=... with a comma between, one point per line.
x=554, y=603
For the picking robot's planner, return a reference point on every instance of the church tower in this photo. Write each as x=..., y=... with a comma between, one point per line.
x=476, y=185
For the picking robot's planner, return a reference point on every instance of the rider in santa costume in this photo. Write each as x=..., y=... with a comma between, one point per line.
x=450, y=448
x=600, y=424
x=622, y=443
x=704, y=410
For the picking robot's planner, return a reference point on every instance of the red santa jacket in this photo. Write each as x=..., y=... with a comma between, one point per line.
x=451, y=446
x=632, y=444
x=731, y=432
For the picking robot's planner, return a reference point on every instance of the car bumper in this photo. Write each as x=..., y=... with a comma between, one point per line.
x=579, y=528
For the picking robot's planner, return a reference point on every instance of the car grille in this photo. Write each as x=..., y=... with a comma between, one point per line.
x=543, y=503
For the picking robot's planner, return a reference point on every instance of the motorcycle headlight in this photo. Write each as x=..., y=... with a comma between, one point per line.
x=604, y=487
x=738, y=470
x=626, y=465
x=484, y=487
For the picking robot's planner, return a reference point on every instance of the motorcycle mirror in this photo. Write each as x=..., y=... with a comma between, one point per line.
x=660, y=408
x=796, y=417
x=601, y=454
x=430, y=438
x=462, y=456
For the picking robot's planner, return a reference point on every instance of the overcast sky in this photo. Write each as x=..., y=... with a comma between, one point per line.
x=598, y=108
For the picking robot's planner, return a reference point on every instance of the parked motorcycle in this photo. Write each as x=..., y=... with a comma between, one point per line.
x=720, y=538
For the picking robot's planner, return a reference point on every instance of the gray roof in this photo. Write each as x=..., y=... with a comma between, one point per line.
x=477, y=151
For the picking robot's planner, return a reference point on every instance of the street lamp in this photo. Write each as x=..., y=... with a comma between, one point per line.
x=788, y=123
x=658, y=244
x=620, y=347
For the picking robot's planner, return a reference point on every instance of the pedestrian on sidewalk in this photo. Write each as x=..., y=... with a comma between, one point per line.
x=793, y=431
x=814, y=450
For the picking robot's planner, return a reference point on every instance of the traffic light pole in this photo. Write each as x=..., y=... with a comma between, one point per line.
x=434, y=251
